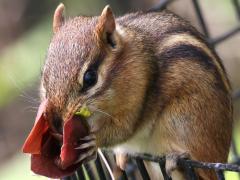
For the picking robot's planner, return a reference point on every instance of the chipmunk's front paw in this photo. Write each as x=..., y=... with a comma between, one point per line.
x=172, y=159
x=88, y=147
x=121, y=160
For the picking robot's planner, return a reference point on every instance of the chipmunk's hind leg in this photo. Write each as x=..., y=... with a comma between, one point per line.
x=171, y=161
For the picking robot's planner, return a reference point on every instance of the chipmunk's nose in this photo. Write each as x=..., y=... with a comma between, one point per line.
x=57, y=124
x=54, y=118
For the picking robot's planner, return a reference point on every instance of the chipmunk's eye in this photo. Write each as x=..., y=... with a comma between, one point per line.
x=89, y=79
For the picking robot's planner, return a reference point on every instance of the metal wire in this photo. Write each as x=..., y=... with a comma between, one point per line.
x=236, y=5
x=80, y=173
x=200, y=17
x=161, y=5
x=225, y=36
x=142, y=169
x=163, y=170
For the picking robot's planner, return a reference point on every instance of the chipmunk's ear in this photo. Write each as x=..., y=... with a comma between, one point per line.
x=58, y=18
x=106, y=26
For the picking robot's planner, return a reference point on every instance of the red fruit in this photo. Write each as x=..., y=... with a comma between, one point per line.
x=49, y=157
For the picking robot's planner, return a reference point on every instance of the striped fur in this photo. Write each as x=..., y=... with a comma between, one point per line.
x=160, y=90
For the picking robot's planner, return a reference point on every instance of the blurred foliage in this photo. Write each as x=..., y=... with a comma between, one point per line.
x=19, y=168
x=20, y=63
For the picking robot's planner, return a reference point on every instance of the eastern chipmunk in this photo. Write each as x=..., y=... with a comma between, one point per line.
x=150, y=80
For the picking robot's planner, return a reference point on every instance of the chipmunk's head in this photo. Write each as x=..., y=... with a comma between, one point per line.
x=94, y=79
x=92, y=62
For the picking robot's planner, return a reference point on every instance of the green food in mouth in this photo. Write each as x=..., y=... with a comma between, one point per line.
x=84, y=111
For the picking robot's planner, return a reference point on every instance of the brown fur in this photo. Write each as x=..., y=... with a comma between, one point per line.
x=156, y=98
x=58, y=18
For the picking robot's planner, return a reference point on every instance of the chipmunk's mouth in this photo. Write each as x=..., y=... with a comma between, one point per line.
x=52, y=154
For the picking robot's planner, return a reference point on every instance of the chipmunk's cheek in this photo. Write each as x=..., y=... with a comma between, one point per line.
x=96, y=123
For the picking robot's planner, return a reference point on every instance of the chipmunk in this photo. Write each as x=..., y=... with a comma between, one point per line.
x=150, y=80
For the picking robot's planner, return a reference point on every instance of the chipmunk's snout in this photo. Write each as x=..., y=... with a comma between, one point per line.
x=57, y=124
x=54, y=119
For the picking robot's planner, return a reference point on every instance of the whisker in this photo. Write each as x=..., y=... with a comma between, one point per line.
x=105, y=113
x=28, y=99
x=19, y=88
x=30, y=109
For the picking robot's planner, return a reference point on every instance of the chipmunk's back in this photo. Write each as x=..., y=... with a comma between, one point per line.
x=157, y=25
x=164, y=29
x=193, y=91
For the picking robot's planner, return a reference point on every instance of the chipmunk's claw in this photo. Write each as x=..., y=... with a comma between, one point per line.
x=87, y=145
x=89, y=137
x=171, y=161
x=88, y=148
x=90, y=154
